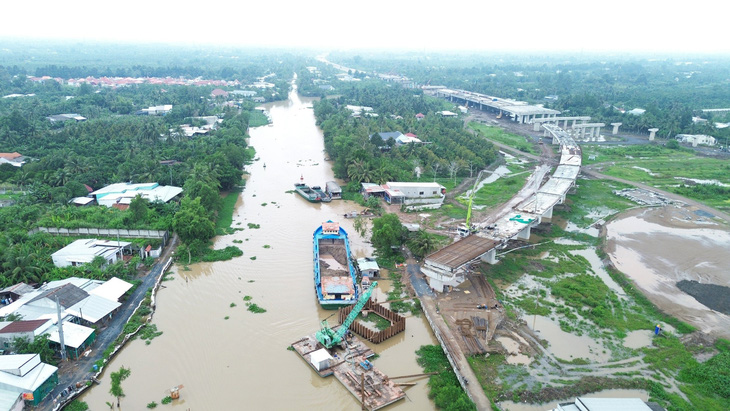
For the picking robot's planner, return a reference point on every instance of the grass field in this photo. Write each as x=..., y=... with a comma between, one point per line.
x=501, y=136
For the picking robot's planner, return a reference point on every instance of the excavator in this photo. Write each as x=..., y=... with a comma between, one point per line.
x=330, y=338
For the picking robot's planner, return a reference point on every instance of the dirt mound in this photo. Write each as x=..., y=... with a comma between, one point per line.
x=710, y=295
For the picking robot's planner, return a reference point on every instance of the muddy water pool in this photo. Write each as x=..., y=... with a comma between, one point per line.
x=656, y=250
x=229, y=358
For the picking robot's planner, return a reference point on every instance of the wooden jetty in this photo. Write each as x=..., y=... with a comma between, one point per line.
x=350, y=366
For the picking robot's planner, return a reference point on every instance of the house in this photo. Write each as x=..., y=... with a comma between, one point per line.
x=26, y=329
x=447, y=113
x=636, y=111
x=368, y=267
x=395, y=135
x=155, y=110
x=12, y=293
x=415, y=195
x=82, y=301
x=218, y=93
x=326, y=87
x=15, y=159
x=408, y=138
x=420, y=116
x=123, y=193
x=85, y=250
x=357, y=110
x=81, y=201
x=244, y=93
x=66, y=117
x=258, y=99
x=371, y=190
x=26, y=375
x=76, y=338
x=696, y=139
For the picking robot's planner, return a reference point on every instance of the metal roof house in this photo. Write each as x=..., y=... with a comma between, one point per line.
x=333, y=190
x=26, y=374
x=85, y=250
x=123, y=193
x=368, y=267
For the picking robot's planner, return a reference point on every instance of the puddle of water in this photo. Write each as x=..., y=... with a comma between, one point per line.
x=655, y=253
x=511, y=406
x=638, y=339
x=226, y=363
x=513, y=348
x=565, y=345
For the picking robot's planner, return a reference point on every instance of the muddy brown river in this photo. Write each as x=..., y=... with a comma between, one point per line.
x=228, y=358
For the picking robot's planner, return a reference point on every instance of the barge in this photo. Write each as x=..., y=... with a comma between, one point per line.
x=335, y=278
x=306, y=192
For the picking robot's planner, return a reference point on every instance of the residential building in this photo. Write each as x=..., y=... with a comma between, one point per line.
x=447, y=113
x=25, y=374
x=415, y=196
x=66, y=117
x=420, y=116
x=155, y=110
x=84, y=251
x=218, y=93
x=407, y=139
x=333, y=190
x=123, y=193
x=76, y=338
x=14, y=159
x=27, y=329
x=636, y=111
x=696, y=139
x=368, y=267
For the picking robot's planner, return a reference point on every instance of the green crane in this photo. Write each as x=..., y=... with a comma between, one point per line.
x=468, y=228
x=329, y=337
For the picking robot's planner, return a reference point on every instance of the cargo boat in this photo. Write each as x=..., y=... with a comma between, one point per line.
x=322, y=195
x=334, y=274
x=306, y=192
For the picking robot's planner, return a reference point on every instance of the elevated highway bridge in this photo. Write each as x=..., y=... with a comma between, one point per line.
x=447, y=267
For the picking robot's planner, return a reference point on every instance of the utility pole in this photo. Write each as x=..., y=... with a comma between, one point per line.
x=537, y=298
x=60, y=330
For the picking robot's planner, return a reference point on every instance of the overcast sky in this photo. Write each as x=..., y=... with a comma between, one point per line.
x=567, y=25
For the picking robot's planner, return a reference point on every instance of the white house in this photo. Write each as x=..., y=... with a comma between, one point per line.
x=415, y=195
x=696, y=139
x=123, y=193
x=85, y=250
x=25, y=374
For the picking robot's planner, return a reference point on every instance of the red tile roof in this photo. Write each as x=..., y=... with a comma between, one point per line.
x=23, y=326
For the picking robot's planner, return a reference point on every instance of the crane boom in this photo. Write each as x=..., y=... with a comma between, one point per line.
x=328, y=337
x=469, y=228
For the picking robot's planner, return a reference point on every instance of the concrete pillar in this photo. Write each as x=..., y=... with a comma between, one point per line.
x=582, y=132
x=548, y=213
x=537, y=126
x=490, y=256
x=524, y=234
x=615, y=127
x=652, y=133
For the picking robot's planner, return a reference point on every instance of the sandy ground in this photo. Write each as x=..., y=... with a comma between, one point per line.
x=659, y=247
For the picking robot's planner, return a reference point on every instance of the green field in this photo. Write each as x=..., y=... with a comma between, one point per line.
x=499, y=135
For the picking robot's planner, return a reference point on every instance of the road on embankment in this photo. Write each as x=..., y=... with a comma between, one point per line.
x=80, y=370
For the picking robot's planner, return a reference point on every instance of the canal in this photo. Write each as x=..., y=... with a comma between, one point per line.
x=228, y=358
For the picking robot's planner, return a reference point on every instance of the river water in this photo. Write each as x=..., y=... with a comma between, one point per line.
x=228, y=358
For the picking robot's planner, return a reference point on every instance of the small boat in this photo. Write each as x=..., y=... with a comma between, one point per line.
x=335, y=277
x=322, y=195
x=306, y=192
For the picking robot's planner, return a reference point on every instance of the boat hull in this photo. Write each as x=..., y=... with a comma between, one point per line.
x=306, y=192
x=335, y=278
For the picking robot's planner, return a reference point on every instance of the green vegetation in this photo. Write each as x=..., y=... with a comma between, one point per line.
x=77, y=405
x=378, y=322
x=116, y=385
x=498, y=134
x=152, y=404
x=149, y=332
x=444, y=388
x=225, y=216
x=257, y=119
x=166, y=400
x=361, y=154
x=255, y=308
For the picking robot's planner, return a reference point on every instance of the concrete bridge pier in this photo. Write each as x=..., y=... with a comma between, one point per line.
x=548, y=213
x=536, y=126
x=615, y=127
x=490, y=256
x=525, y=233
x=652, y=133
